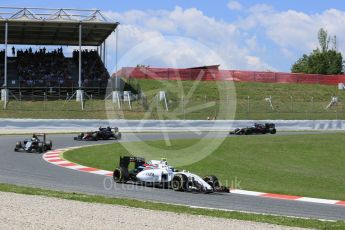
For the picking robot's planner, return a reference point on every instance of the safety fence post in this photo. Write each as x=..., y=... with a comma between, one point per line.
x=291, y=103
x=248, y=105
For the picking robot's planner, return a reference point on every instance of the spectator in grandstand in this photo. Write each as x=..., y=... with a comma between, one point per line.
x=2, y=54
x=41, y=68
x=94, y=72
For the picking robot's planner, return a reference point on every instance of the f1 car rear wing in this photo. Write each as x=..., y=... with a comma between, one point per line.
x=126, y=160
x=40, y=135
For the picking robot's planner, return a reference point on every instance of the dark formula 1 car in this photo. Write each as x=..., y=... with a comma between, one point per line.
x=256, y=129
x=158, y=172
x=37, y=143
x=101, y=134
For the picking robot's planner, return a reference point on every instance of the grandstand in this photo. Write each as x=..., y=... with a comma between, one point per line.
x=42, y=67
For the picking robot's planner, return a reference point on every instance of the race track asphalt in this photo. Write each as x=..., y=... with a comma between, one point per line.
x=31, y=170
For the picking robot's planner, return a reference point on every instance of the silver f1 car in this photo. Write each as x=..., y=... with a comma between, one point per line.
x=157, y=172
x=37, y=143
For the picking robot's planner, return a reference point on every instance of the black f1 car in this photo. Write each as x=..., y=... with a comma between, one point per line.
x=37, y=143
x=256, y=129
x=101, y=134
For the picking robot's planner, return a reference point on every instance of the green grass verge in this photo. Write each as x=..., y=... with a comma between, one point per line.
x=278, y=220
x=306, y=165
x=197, y=100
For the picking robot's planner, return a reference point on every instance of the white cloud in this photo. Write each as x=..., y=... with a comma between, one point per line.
x=252, y=43
x=186, y=37
x=255, y=63
x=261, y=8
x=294, y=32
x=234, y=5
x=183, y=37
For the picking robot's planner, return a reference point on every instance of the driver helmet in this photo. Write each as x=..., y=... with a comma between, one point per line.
x=164, y=161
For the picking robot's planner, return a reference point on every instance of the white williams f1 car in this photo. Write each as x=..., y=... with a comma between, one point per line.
x=157, y=172
x=152, y=172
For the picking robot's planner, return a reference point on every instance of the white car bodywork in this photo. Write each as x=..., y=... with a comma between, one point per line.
x=195, y=182
x=159, y=171
x=156, y=172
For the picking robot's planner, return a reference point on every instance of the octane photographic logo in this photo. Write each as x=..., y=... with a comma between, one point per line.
x=109, y=185
x=170, y=103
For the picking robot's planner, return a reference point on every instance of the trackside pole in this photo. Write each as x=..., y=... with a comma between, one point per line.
x=80, y=92
x=115, y=92
x=116, y=55
x=5, y=73
x=80, y=34
x=4, y=91
x=104, y=54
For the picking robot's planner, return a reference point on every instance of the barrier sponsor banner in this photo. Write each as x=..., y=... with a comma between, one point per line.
x=77, y=125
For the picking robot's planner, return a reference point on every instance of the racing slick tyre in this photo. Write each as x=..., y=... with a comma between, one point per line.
x=79, y=137
x=118, y=176
x=49, y=145
x=247, y=132
x=179, y=182
x=95, y=137
x=212, y=181
x=40, y=147
x=18, y=146
x=118, y=136
x=273, y=131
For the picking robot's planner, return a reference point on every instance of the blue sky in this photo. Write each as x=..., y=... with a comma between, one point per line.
x=248, y=34
x=211, y=8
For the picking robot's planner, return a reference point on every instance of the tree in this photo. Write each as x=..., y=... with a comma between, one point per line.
x=322, y=60
x=301, y=65
x=324, y=40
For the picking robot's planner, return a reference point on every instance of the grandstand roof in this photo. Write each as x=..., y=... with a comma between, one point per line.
x=41, y=26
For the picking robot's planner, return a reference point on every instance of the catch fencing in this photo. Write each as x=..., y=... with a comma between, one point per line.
x=201, y=108
x=228, y=75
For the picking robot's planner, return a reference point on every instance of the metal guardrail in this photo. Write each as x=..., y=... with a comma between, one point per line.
x=77, y=125
x=41, y=93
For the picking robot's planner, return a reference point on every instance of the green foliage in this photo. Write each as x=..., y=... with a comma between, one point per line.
x=324, y=40
x=301, y=66
x=322, y=60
